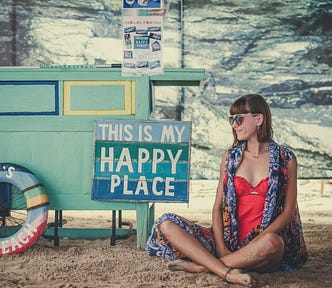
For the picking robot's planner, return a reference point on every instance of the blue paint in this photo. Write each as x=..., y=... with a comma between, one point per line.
x=101, y=191
x=182, y=171
x=142, y=131
x=21, y=180
x=54, y=111
x=141, y=161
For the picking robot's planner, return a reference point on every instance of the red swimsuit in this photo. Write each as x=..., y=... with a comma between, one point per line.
x=250, y=203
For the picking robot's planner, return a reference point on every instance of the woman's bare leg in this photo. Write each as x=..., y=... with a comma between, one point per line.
x=193, y=249
x=182, y=265
x=263, y=254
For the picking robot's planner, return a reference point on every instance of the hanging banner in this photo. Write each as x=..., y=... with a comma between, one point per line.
x=143, y=161
x=143, y=24
x=142, y=4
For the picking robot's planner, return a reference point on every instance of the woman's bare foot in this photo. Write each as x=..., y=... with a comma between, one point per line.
x=235, y=276
x=182, y=265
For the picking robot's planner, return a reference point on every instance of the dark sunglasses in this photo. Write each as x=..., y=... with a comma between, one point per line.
x=238, y=118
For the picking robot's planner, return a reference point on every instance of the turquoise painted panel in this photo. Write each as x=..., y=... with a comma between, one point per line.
x=63, y=162
x=101, y=97
x=60, y=149
x=89, y=233
x=29, y=98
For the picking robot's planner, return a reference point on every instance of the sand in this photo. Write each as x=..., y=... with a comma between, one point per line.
x=94, y=263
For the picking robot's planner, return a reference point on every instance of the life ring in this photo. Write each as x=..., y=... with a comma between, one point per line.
x=36, y=206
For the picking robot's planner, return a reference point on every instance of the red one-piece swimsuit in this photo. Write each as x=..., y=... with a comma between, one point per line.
x=250, y=203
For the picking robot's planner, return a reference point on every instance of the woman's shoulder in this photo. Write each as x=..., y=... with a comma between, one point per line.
x=237, y=148
x=287, y=152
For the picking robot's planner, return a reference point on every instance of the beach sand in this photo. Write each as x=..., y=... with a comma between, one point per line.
x=94, y=263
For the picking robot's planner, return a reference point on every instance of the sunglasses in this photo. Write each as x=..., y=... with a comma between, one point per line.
x=238, y=118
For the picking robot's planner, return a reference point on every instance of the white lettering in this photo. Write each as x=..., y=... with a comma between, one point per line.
x=10, y=172
x=115, y=182
x=125, y=160
x=143, y=157
x=103, y=130
x=167, y=134
x=147, y=134
x=128, y=132
x=15, y=243
x=166, y=186
x=120, y=132
x=174, y=160
x=21, y=239
x=113, y=132
x=116, y=132
x=154, y=186
x=158, y=156
x=142, y=185
x=106, y=159
x=30, y=230
x=179, y=132
x=125, y=186
x=140, y=133
x=169, y=187
x=4, y=246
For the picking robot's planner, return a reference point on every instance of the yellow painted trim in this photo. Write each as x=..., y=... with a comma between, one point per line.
x=133, y=97
x=66, y=97
x=37, y=201
x=129, y=97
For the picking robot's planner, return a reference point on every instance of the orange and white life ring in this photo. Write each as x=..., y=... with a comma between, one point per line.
x=36, y=206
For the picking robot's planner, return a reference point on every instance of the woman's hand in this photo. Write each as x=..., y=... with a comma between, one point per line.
x=222, y=251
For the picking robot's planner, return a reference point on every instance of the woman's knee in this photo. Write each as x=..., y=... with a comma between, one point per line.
x=272, y=244
x=165, y=227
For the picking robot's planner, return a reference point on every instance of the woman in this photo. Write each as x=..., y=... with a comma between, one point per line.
x=255, y=220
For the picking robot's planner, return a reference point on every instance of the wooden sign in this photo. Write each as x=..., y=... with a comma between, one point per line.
x=141, y=161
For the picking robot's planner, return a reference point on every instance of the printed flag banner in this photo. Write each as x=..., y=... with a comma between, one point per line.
x=143, y=24
x=142, y=4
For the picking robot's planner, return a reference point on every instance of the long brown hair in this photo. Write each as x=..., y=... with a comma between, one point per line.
x=254, y=103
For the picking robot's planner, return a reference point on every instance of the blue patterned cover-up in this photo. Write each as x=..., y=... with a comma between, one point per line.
x=295, y=253
x=157, y=244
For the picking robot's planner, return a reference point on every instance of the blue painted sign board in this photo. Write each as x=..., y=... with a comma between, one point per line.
x=145, y=161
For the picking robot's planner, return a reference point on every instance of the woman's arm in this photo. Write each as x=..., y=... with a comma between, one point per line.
x=217, y=215
x=290, y=201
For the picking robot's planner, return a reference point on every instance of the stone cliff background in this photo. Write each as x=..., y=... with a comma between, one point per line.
x=280, y=49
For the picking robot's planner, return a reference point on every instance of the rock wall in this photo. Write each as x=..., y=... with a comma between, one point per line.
x=280, y=49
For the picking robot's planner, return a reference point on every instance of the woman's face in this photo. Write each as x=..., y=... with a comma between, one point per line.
x=245, y=125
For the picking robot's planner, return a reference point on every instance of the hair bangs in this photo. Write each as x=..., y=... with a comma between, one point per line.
x=239, y=107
